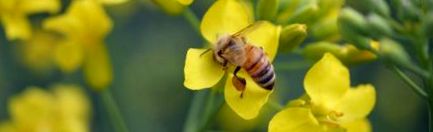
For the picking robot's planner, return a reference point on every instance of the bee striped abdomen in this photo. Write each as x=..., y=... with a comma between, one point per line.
x=259, y=68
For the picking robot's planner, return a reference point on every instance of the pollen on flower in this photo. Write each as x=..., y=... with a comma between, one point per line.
x=334, y=115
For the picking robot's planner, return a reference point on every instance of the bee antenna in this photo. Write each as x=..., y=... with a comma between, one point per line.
x=207, y=50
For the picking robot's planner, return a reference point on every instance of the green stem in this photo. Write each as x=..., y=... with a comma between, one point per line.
x=192, y=19
x=203, y=109
x=430, y=112
x=192, y=124
x=415, y=69
x=417, y=89
x=212, y=107
x=275, y=105
x=113, y=111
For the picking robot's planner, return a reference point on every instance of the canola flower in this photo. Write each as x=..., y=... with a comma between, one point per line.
x=63, y=108
x=84, y=26
x=330, y=103
x=173, y=7
x=202, y=71
x=36, y=53
x=14, y=15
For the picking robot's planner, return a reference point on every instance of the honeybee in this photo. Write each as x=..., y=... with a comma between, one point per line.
x=236, y=50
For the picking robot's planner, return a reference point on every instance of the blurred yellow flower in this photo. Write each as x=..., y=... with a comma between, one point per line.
x=45, y=49
x=331, y=104
x=228, y=17
x=13, y=15
x=66, y=108
x=36, y=52
x=84, y=26
x=172, y=7
x=112, y=2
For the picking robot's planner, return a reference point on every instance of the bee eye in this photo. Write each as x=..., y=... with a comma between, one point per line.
x=231, y=42
x=220, y=52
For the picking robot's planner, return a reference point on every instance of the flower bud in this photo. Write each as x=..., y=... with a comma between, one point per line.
x=97, y=67
x=353, y=27
x=306, y=12
x=366, y=6
x=348, y=54
x=407, y=11
x=289, y=7
x=292, y=36
x=325, y=29
x=359, y=41
x=267, y=9
x=315, y=51
x=171, y=7
x=380, y=7
x=393, y=52
x=329, y=7
x=378, y=26
x=349, y=18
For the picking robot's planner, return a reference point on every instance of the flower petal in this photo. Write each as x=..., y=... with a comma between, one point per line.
x=72, y=101
x=97, y=67
x=31, y=107
x=361, y=125
x=37, y=6
x=254, y=97
x=7, y=126
x=327, y=81
x=113, y=2
x=37, y=51
x=185, y=2
x=84, y=20
x=267, y=36
x=294, y=120
x=66, y=25
x=224, y=17
x=68, y=56
x=201, y=71
x=16, y=26
x=357, y=103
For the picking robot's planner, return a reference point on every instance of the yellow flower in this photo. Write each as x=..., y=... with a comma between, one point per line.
x=64, y=109
x=13, y=15
x=228, y=17
x=172, y=7
x=112, y=2
x=85, y=26
x=331, y=104
x=36, y=52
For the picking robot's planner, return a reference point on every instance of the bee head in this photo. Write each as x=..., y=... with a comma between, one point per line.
x=221, y=44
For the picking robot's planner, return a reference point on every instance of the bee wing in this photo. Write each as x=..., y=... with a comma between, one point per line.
x=248, y=29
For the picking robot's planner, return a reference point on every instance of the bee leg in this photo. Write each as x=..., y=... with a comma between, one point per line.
x=239, y=82
x=207, y=50
x=244, y=38
x=225, y=67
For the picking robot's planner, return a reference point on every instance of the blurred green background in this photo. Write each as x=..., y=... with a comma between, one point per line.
x=147, y=50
